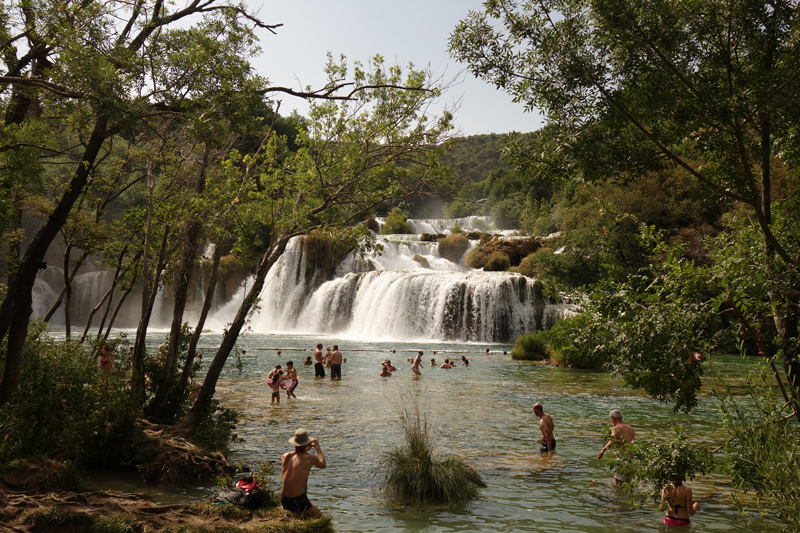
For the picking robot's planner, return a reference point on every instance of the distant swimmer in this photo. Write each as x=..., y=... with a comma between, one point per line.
x=464, y=360
x=677, y=498
x=487, y=351
x=620, y=434
x=327, y=358
x=319, y=367
x=295, y=467
x=390, y=366
x=385, y=371
x=416, y=364
x=546, y=427
x=433, y=362
x=446, y=365
x=308, y=361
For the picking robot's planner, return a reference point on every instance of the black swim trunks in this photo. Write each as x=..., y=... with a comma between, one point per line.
x=298, y=504
x=552, y=446
x=336, y=371
x=319, y=370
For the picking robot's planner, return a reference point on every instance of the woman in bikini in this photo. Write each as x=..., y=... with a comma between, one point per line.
x=678, y=500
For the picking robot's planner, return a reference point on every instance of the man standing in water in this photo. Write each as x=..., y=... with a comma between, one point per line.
x=620, y=434
x=295, y=467
x=546, y=427
x=416, y=364
x=319, y=368
x=336, y=363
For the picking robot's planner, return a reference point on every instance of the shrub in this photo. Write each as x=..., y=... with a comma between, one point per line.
x=497, y=262
x=566, y=351
x=476, y=258
x=456, y=229
x=65, y=408
x=526, y=267
x=453, y=247
x=413, y=472
x=215, y=431
x=396, y=223
x=530, y=347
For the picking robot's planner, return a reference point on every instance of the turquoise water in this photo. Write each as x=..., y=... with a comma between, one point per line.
x=482, y=414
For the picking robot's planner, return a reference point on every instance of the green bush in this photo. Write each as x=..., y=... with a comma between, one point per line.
x=476, y=258
x=453, y=247
x=527, y=266
x=565, y=348
x=413, y=472
x=530, y=347
x=456, y=229
x=215, y=431
x=65, y=408
x=396, y=224
x=497, y=262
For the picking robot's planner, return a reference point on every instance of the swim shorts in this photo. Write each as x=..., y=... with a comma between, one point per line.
x=298, y=504
x=292, y=386
x=552, y=446
x=336, y=371
x=670, y=521
x=319, y=370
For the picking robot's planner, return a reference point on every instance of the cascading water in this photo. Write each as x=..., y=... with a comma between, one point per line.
x=408, y=292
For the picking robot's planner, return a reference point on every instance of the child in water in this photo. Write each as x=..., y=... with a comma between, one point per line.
x=276, y=382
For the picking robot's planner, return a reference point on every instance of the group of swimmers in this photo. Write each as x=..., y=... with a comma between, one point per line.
x=676, y=498
x=416, y=362
x=277, y=378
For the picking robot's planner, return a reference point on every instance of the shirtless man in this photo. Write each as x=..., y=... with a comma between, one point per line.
x=385, y=371
x=295, y=467
x=336, y=363
x=620, y=434
x=416, y=364
x=546, y=427
x=291, y=376
x=319, y=368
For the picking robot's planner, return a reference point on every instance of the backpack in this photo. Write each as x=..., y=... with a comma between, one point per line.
x=245, y=493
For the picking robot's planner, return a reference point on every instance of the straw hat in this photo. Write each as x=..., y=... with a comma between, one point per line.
x=300, y=438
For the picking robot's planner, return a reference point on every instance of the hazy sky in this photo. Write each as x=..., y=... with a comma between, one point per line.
x=412, y=30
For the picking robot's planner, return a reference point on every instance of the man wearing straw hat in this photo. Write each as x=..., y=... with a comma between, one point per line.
x=295, y=467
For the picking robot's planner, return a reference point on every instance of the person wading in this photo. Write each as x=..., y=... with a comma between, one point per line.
x=295, y=467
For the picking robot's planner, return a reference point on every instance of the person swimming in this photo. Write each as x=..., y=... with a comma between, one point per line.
x=678, y=500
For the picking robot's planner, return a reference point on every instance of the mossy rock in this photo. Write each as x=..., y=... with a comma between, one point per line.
x=428, y=237
x=473, y=235
x=514, y=249
x=497, y=262
x=421, y=260
x=372, y=224
x=453, y=247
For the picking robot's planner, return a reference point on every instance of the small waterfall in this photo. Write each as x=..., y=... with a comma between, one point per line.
x=392, y=296
x=444, y=225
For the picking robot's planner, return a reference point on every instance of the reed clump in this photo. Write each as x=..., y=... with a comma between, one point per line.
x=414, y=472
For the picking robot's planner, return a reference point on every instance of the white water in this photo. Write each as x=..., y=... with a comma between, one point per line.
x=393, y=297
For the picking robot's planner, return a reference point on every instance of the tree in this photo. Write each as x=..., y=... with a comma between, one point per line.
x=377, y=146
x=635, y=85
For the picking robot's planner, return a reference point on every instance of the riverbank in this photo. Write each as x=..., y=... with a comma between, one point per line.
x=80, y=512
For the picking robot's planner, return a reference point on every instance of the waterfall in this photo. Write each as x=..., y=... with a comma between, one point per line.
x=392, y=296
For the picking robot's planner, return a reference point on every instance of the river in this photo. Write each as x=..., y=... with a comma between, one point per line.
x=481, y=413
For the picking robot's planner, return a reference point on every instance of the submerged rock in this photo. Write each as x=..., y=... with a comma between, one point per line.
x=421, y=260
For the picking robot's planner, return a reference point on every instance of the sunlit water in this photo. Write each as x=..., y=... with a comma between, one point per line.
x=481, y=414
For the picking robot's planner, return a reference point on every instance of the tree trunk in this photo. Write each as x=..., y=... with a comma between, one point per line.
x=116, y=310
x=17, y=306
x=208, y=389
x=198, y=330
x=67, y=290
x=184, y=278
x=60, y=298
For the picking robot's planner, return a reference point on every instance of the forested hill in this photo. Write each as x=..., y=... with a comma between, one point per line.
x=474, y=157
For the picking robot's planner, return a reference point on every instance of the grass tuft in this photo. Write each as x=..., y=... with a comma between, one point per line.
x=48, y=518
x=413, y=471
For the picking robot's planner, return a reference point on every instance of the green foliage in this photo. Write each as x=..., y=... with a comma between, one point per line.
x=651, y=465
x=530, y=347
x=413, y=471
x=215, y=431
x=497, y=262
x=573, y=343
x=396, y=224
x=476, y=258
x=453, y=247
x=762, y=455
x=66, y=408
x=457, y=229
